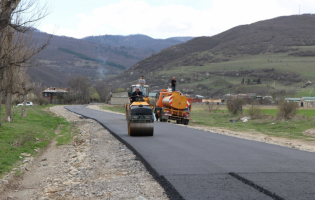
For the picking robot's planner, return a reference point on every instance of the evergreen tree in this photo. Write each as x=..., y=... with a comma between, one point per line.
x=242, y=81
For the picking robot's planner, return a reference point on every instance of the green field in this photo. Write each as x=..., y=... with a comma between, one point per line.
x=26, y=135
x=305, y=119
x=281, y=62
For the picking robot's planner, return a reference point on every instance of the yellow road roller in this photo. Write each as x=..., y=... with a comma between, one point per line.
x=139, y=116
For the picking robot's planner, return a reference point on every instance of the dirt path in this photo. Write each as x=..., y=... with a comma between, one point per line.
x=94, y=166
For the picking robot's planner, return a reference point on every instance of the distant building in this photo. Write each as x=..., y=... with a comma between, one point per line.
x=54, y=95
x=308, y=102
x=119, y=98
x=213, y=101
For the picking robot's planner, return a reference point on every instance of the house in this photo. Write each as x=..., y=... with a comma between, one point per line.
x=212, y=101
x=303, y=101
x=308, y=102
x=54, y=94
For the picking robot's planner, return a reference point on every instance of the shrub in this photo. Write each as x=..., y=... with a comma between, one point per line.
x=254, y=112
x=212, y=107
x=286, y=110
x=235, y=106
x=43, y=101
x=15, y=101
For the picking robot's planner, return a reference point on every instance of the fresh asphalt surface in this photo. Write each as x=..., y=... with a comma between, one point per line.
x=204, y=165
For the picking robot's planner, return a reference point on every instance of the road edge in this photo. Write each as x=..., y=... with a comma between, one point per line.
x=170, y=191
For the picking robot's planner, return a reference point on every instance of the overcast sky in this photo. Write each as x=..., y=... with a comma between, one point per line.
x=162, y=18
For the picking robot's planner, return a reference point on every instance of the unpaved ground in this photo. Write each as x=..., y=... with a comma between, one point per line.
x=94, y=166
x=291, y=143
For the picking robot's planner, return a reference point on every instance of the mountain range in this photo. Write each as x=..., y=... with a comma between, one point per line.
x=279, y=50
x=95, y=56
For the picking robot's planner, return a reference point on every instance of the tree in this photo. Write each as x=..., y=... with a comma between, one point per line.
x=17, y=47
x=102, y=89
x=235, y=106
x=242, y=81
x=79, y=88
x=258, y=81
x=120, y=90
x=94, y=96
x=25, y=87
x=7, y=9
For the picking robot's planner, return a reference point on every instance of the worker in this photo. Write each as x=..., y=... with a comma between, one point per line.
x=173, y=82
x=142, y=83
x=136, y=94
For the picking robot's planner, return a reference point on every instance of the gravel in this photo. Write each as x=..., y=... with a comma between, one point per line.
x=94, y=166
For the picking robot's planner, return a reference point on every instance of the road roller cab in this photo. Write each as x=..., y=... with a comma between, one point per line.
x=145, y=92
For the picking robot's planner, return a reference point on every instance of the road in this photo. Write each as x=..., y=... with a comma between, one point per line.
x=205, y=165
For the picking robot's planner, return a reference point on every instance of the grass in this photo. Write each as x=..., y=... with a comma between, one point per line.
x=287, y=129
x=24, y=135
x=282, y=62
x=114, y=108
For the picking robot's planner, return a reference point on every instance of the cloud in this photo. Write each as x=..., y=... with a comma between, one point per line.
x=136, y=16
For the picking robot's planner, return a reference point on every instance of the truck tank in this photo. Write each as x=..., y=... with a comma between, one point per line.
x=176, y=101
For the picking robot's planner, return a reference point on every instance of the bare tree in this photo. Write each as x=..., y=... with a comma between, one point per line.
x=102, y=89
x=7, y=10
x=17, y=45
x=9, y=82
x=25, y=87
x=80, y=88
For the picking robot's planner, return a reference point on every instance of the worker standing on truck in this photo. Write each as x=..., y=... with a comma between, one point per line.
x=135, y=94
x=173, y=82
x=142, y=83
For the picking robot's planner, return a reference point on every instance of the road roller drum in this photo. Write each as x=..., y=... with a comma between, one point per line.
x=140, y=120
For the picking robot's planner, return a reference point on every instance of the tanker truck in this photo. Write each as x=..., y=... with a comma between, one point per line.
x=172, y=106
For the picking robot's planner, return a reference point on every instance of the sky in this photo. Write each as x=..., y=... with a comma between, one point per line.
x=161, y=19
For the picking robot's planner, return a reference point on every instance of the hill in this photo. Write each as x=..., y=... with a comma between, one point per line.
x=138, y=41
x=278, y=51
x=66, y=56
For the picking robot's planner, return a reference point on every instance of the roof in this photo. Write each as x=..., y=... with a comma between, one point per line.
x=293, y=99
x=308, y=98
x=55, y=90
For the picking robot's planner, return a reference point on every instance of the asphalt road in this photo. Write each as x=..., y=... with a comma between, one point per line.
x=204, y=165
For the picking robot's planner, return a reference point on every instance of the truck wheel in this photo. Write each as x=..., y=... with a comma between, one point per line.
x=178, y=121
x=186, y=122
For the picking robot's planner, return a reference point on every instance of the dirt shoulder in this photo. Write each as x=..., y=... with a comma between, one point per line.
x=253, y=135
x=95, y=165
